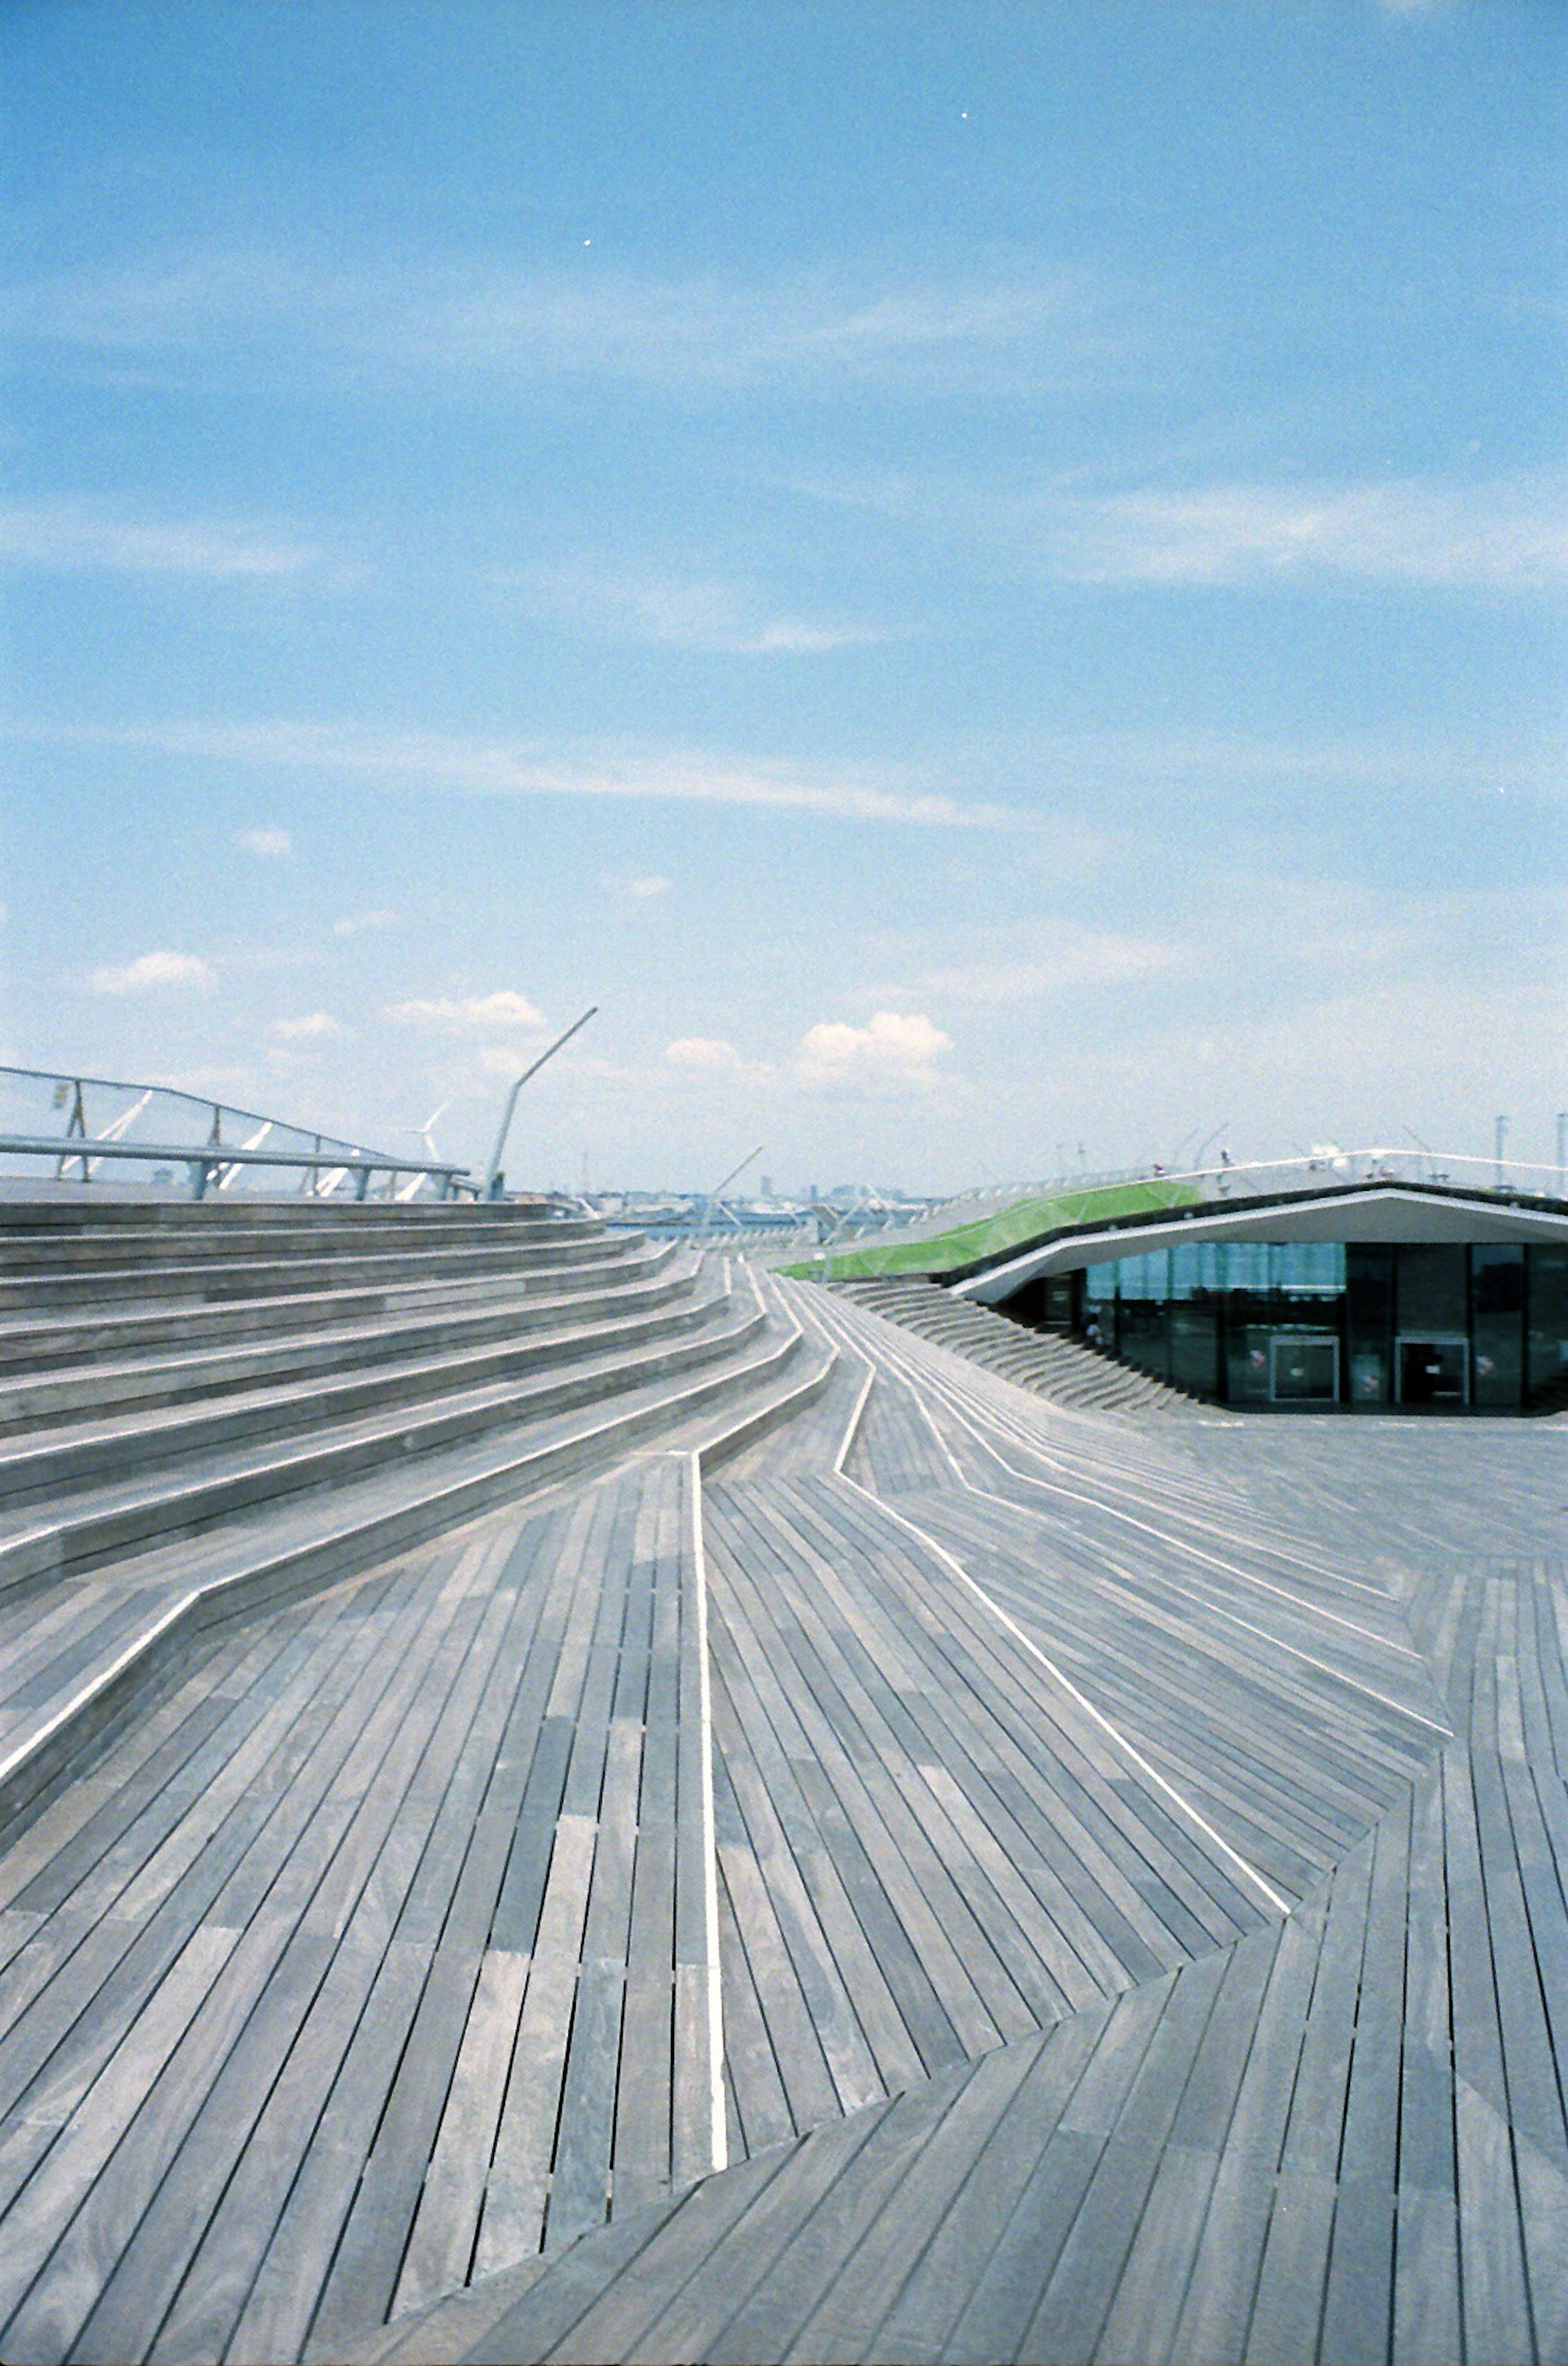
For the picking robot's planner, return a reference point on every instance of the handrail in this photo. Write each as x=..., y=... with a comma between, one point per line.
x=211, y=1159
x=321, y=1161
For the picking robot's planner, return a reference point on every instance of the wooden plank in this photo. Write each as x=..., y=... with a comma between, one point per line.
x=918, y=2323
x=52, y=2194
x=275, y=2313
x=859, y=1958
x=1086, y=1767
x=761, y=2106
x=846, y=2304
x=384, y=2204
x=792, y=2031
x=1076, y=2295
x=1152, y=2286
x=441, y=2242
x=599, y=2297
x=1218, y=2303
x=1427, y=2293
x=291, y=2057
x=512, y=2223
x=930, y=1905
x=1005, y=2294
x=580, y=2173
x=1358, y=2302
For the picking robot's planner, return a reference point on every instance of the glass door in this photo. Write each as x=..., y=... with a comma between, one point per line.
x=1432, y=1371
x=1303, y=1368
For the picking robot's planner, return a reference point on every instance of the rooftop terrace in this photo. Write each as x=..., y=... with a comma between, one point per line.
x=566, y=1798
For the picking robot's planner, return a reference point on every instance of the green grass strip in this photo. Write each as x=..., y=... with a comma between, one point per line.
x=1026, y=1222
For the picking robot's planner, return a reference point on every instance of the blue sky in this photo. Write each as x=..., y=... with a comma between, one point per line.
x=981, y=579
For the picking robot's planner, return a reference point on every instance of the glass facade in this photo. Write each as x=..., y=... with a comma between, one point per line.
x=1304, y=1324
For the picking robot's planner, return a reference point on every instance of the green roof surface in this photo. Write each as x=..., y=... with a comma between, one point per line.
x=993, y=1237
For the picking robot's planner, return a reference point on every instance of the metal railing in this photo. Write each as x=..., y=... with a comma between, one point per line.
x=1264, y=1178
x=114, y=1131
x=1069, y=1202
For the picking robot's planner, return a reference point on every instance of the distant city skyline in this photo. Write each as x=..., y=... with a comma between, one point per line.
x=978, y=578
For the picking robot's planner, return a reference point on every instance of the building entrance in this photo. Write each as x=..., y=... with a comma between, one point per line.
x=1304, y=1369
x=1433, y=1371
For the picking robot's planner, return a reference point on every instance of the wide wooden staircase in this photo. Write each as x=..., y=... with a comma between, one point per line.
x=1062, y=1369
x=205, y=1409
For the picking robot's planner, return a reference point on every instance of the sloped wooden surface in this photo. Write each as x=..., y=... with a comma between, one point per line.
x=1132, y=1858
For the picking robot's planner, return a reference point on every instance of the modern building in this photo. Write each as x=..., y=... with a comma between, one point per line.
x=1361, y=1295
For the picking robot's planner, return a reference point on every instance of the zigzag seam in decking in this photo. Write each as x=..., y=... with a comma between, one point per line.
x=1098, y=1894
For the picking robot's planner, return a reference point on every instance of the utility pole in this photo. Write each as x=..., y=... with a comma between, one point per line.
x=738, y=1169
x=493, y=1170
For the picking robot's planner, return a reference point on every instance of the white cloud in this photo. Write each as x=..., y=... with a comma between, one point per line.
x=1055, y=958
x=706, y=1054
x=265, y=842
x=897, y=1049
x=502, y=1013
x=151, y=970
x=1502, y=534
x=209, y=310
x=355, y=924
x=78, y=534
x=514, y=768
x=1508, y=534
x=647, y=889
x=720, y=618
x=316, y=1027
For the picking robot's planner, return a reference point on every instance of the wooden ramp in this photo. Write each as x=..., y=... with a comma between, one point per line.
x=893, y=1870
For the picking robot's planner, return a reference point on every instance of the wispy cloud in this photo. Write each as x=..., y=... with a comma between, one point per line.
x=315, y=1027
x=502, y=1013
x=1056, y=958
x=1506, y=535
x=356, y=924
x=269, y=844
x=514, y=768
x=204, y=309
x=712, y=1059
x=725, y=618
x=61, y=534
x=151, y=971
x=1083, y=763
x=1428, y=533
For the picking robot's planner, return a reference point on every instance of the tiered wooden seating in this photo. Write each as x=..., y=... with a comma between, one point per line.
x=1062, y=1369
x=875, y=1866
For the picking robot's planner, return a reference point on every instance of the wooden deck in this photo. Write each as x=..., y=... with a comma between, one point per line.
x=919, y=1875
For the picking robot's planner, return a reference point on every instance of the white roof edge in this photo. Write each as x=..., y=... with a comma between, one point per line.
x=1379, y=1212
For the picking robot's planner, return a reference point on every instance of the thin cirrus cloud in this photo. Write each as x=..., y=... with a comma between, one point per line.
x=1505, y=533
x=501, y=1013
x=150, y=971
x=437, y=759
x=315, y=1027
x=1508, y=534
x=1056, y=960
x=708, y=615
x=359, y=924
x=202, y=311
x=60, y=535
x=269, y=844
